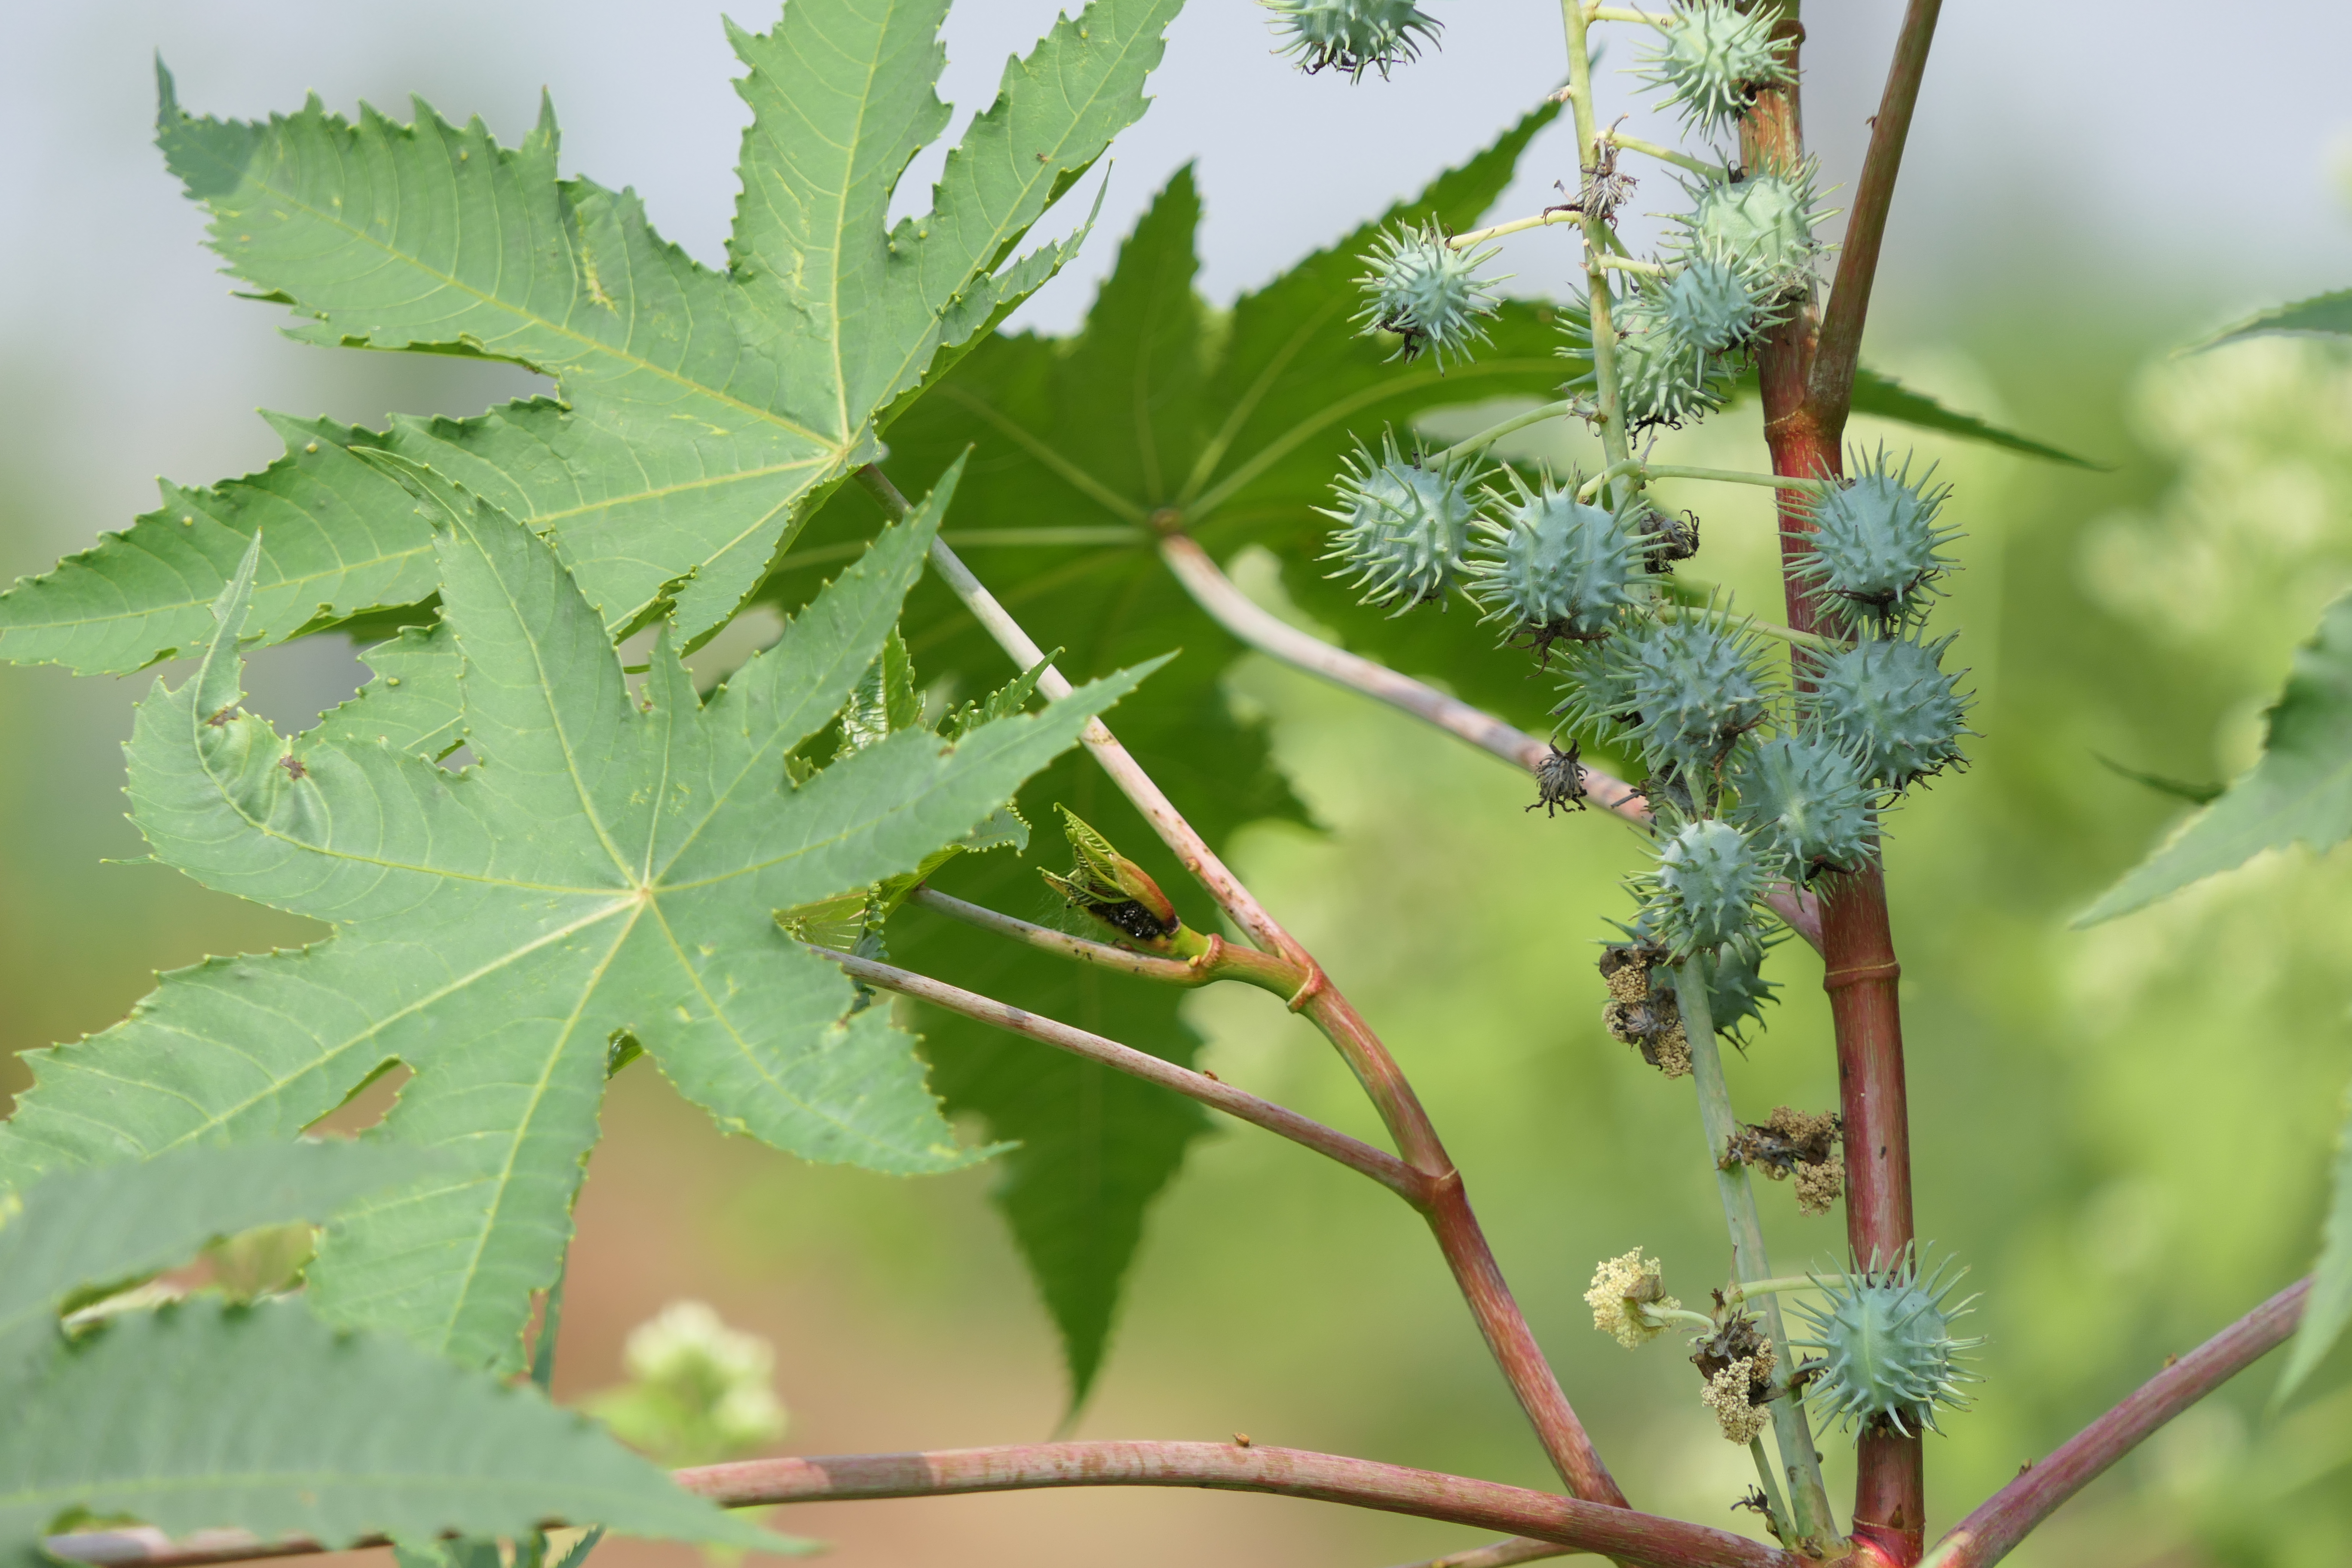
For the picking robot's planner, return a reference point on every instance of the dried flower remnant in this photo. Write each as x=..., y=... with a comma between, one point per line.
x=1640, y=1014
x=1729, y=1395
x=1797, y=1144
x=1560, y=782
x=1621, y=1288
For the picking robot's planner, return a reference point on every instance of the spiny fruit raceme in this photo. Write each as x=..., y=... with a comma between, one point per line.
x=1712, y=59
x=1353, y=35
x=1549, y=566
x=1803, y=796
x=1428, y=293
x=1687, y=691
x=1763, y=223
x=1404, y=524
x=1887, y=1354
x=1874, y=550
x=1891, y=704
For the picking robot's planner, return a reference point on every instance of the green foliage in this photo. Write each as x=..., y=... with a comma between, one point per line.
x=1883, y=397
x=202, y=1416
x=206, y=1415
x=2329, y=1307
x=111, y=1224
x=2299, y=793
x=1236, y=432
x=607, y=866
x=2327, y=315
x=700, y=414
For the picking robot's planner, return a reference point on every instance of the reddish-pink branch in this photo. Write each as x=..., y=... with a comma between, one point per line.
x=1617, y=1533
x=1565, y=1441
x=2002, y=1519
x=1578, y=1526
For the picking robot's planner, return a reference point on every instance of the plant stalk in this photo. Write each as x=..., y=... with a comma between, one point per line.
x=1381, y=1166
x=1614, y=439
x=1270, y=634
x=1791, y=1432
x=2003, y=1520
x=1803, y=429
x=1506, y=1330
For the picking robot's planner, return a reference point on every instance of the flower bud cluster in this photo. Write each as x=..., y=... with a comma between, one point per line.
x=698, y=1391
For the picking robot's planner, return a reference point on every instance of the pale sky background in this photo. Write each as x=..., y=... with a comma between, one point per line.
x=2117, y=150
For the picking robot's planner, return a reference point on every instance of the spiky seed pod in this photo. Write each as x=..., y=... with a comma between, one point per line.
x=1403, y=527
x=1704, y=890
x=1662, y=377
x=1890, y=703
x=1805, y=797
x=1549, y=566
x=1353, y=35
x=1687, y=691
x=1763, y=224
x=1875, y=550
x=1735, y=987
x=1427, y=294
x=1717, y=305
x=1712, y=59
x=1888, y=1357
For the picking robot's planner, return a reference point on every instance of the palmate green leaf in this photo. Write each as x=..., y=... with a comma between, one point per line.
x=263, y=1418
x=2328, y=1310
x=700, y=413
x=1150, y=406
x=1883, y=397
x=2299, y=793
x=2324, y=314
x=607, y=866
x=78, y=1230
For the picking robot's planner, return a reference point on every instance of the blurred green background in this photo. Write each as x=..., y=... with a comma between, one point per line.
x=2123, y=1131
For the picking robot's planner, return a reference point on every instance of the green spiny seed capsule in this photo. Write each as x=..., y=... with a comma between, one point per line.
x=1890, y=703
x=1352, y=35
x=1686, y=690
x=1763, y=223
x=1428, y=293
x=1717, y=306
x=1804, y=796
x=1888, y=1357
x=1735, y=987
x=1550, y=566
x=1662, y=377
x=1403, y=527
x=1704, y=891
x=1712, y=59
x=1875, y=550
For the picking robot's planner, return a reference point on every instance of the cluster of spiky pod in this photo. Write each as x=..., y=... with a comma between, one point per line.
x=1428, y=293
x=1351, y=37
x=1888, y=1357
x=1404, y=524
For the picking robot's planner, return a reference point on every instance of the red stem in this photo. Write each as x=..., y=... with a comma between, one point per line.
x=2002, y=1519
x=1629, y=1537
x=1807, y=381
x=1621, y=1533
x=1378, y=1164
